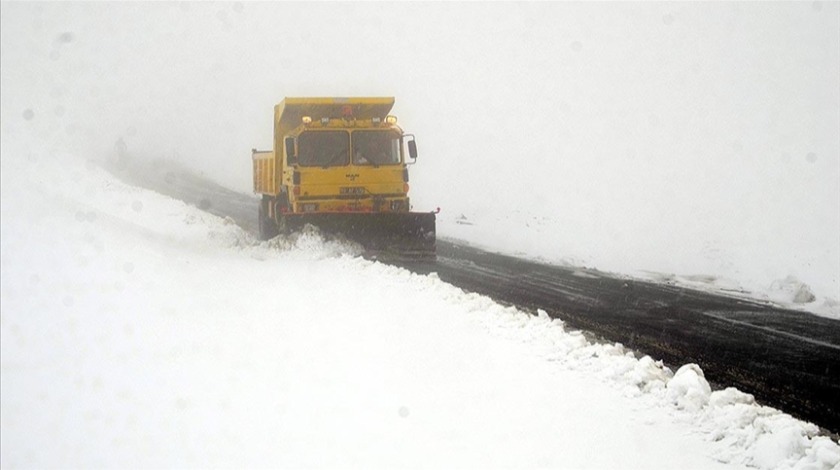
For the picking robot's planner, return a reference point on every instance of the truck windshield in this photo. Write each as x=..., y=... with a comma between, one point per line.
x=324, y=148
x=376, y=148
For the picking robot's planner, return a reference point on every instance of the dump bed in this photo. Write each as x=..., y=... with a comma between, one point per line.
x=265, y=176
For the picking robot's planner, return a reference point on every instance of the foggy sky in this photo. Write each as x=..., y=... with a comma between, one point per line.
x=634, y=127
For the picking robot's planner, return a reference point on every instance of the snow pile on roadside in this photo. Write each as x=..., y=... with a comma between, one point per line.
x=793, y=290
x=136, y=328
x=743, y=431
x=688, y=389
x=763, y=437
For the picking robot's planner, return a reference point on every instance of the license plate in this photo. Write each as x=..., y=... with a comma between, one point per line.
x=356, y=191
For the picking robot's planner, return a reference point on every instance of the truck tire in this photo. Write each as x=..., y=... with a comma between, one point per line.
x=267, y=226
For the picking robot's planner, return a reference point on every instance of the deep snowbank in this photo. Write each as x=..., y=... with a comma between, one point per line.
x=139, y=331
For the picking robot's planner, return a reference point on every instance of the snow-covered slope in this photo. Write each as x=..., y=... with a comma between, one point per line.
x=695, y=140
x=137, y=331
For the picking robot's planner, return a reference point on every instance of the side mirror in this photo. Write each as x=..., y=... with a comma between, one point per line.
x=412, y=148
x=291, y=156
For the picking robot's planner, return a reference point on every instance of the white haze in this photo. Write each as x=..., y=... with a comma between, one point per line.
x=690, y=138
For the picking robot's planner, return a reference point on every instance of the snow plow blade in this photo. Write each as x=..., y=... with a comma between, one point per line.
x=389, y=236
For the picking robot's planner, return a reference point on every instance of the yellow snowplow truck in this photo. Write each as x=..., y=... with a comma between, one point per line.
x=340, y=164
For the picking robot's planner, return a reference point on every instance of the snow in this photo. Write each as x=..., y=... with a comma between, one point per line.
x=688, y=388
x=546, y=241
x=138, y=331
x=689, y=143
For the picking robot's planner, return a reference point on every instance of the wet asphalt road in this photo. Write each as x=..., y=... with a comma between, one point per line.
x=787, y=359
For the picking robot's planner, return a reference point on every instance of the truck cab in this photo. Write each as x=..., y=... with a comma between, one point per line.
x=345, y=165
x=339, y=161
